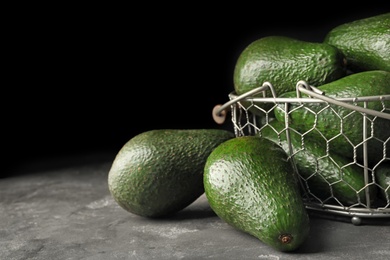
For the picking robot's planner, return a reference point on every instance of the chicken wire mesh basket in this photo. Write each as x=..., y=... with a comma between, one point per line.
x=325, y=176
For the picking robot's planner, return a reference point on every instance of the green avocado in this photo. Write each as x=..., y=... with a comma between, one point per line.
x=365, y=43
x=251, y=185
x=159, y=172
x=283, y=61
x=326, y=176
x=382, y=176
x=342, y=127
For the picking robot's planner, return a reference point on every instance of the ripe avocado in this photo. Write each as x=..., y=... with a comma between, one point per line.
x=159, y=172
x=365, y=43
x=251, y=185
x=283, y=61
x=382, y=176
x=341, y=126
x=326, y=175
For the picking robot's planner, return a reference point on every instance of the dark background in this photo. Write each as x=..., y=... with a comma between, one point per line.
x=89, y=79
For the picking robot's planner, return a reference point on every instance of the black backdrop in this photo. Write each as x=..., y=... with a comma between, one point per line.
x=91, y=79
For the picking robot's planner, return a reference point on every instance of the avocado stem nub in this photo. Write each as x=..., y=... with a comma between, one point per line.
x=285, y=238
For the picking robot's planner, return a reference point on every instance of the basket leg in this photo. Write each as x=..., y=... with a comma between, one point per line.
x=356, y=220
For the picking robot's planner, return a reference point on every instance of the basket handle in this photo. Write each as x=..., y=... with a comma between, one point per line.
x=219, y=111
x=304, y=87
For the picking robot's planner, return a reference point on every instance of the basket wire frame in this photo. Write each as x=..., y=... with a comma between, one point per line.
x=245, y=122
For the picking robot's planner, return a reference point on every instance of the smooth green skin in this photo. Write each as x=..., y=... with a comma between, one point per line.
x=382, y=175
x=159, y=172
x=283, y=61
x=365, y=43
x=251, y=185
x=367, y=83
x=324, y=174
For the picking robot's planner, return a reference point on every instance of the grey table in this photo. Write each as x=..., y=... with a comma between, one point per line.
x=61, y=208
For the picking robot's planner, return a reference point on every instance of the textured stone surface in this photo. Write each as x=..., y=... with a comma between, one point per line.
x=63, y=210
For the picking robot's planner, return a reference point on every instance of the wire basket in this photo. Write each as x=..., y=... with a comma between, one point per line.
x=252, y=113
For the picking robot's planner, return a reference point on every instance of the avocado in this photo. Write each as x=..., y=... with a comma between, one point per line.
x=343, y=127
x=325, y=175
x=365, y=43
x=283, y=61
x=382, y=176
x=251, y=185
x=159, y=172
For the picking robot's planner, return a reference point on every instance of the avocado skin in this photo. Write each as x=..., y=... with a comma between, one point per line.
x=251, y=185
x=324, y=174
x=382, y=176
x=159, y=172
x=365, y=43
x=367, y=83
x=283, y=61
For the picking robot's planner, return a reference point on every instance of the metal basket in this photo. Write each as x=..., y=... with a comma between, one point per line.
x=249, y=117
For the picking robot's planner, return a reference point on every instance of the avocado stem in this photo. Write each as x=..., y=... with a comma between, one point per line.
x=285, y=238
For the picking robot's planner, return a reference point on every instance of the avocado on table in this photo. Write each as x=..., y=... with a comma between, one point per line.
x=327, y=177
x=159, y=172
x=365, y=43
x=342, y=127
x=251, y=185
